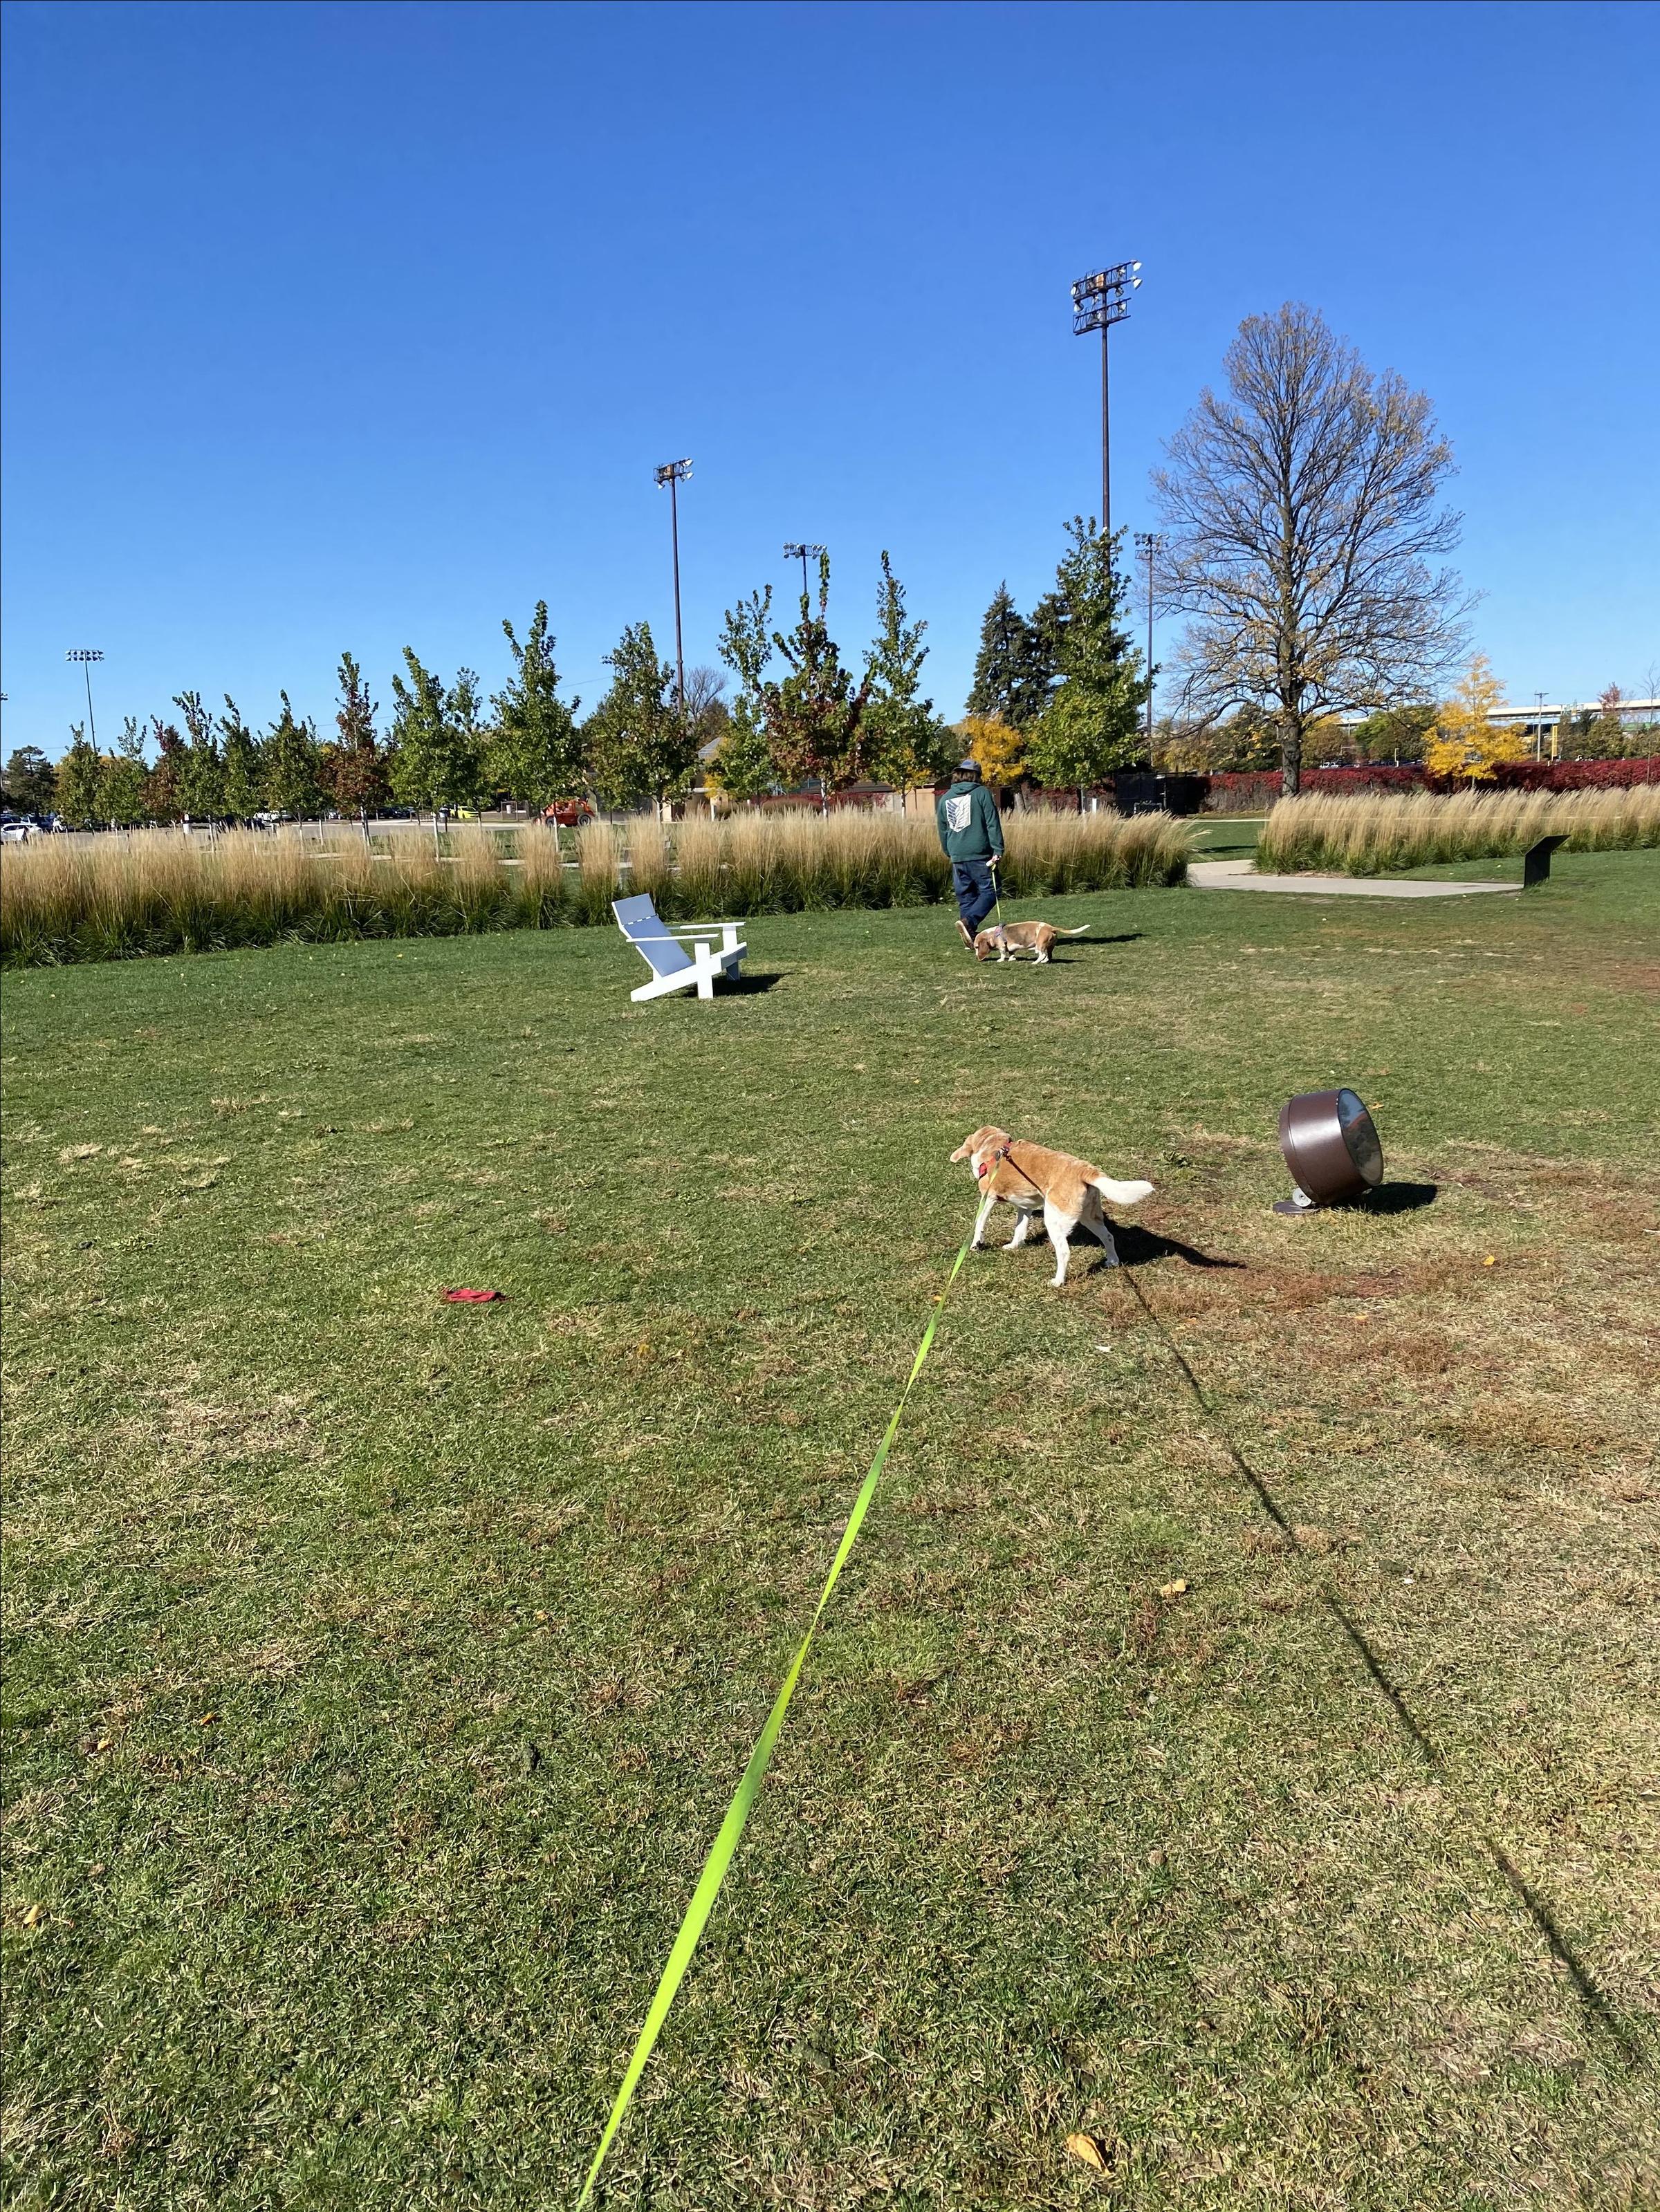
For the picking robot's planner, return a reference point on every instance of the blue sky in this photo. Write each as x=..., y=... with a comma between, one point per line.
x=358, y=326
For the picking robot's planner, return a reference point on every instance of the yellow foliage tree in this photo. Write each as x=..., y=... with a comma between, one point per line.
x=1000, y=749
x=1466, y=741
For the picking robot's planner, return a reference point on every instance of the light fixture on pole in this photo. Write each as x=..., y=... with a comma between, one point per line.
x=1098, y=302
x=86, y=656
x=1147, y=542
x=674, y=474
x=797, y=552
x=1539, y=725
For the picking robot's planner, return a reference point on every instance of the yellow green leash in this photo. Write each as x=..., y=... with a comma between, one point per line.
x=749, y=1789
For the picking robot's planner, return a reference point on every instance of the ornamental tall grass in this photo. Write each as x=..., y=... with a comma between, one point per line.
x=118, y=897
x=1367, y=837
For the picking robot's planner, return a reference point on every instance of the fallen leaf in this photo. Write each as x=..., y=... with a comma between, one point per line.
x=207, y=1720
x=1087, y=2152
x=1172, y=1589
x=1489, y=1261
x=34, y=1916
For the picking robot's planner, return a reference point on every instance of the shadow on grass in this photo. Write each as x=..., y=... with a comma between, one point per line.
x=1397, y=1198
x=745, y=987
x=1596, y=2005
x=1139, y=1247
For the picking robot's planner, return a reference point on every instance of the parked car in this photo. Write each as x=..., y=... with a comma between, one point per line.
x=568, y=813
x=19, y=830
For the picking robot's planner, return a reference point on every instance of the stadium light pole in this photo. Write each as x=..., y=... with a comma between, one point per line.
x=796, y=552
x=1100, y=301
x=674, y=474
x=1147, y=542
x=86, y=656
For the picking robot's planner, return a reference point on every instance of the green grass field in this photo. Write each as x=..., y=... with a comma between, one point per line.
x=379, y=1670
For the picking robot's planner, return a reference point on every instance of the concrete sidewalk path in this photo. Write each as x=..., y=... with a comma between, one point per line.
x=1239, y=876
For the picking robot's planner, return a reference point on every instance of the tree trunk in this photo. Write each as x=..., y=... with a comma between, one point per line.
x=1291, y=753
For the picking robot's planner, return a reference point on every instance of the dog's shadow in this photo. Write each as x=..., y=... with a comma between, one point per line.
x=1076, y=944
x=1139, y=1247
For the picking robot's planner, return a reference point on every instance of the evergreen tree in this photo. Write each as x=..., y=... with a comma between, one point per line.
x=907, y=745
x=436, y=763
x=287, y=764
x=354, y=768
x=535, y=756
x=1092, y=723
x=814, y=716
x=638, y=744
x=31, y=781
x=78, y=776
x=239, y=753
x=1015, y=669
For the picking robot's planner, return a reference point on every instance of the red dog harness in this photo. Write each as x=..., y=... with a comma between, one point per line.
x=993, y=1159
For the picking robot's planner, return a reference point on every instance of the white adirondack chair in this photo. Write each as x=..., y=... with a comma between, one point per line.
x=664, y=950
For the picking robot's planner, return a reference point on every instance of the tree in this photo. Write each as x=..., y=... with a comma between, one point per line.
x=1604, y=736
x=164, y=782
x=434, y=764
x=1014, y=670
x=31, y=781
x=999, y=747
x=744, y=768
x=124, y=780
x=1092, y=723
x=353, y=768
x=465, y=712
x=906, y=746
x=1394, y=733
x=535, y=756
x=1466, y=740
x=1303, y=522
x=239, y=753
x=202, y=771
x=78, y=780
x=814, y=716
x=288, y=765
x=639, y=744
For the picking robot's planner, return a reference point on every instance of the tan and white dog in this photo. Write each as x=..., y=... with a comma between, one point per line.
x=1034, y=1180
x=1005, y=939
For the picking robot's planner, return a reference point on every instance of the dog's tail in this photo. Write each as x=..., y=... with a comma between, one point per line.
x=1079, y=931
x=1123, y=1193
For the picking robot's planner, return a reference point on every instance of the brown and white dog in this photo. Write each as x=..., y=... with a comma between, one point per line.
x=1034, y=1180
x=1005, y=939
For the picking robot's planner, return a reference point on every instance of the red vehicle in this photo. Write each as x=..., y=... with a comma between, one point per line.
x=568, y=813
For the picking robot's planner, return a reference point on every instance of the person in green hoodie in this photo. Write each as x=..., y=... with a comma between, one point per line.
x=971, y=833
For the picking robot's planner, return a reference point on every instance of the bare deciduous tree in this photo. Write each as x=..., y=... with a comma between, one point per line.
x=1304, y=522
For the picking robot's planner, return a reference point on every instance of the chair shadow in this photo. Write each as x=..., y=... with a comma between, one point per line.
x=743, y=987
x=1397, y=1198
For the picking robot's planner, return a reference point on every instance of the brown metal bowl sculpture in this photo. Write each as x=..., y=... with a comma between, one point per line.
x=1331, y=1148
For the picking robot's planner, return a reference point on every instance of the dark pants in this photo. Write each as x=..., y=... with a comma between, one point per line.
x=976, y=890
